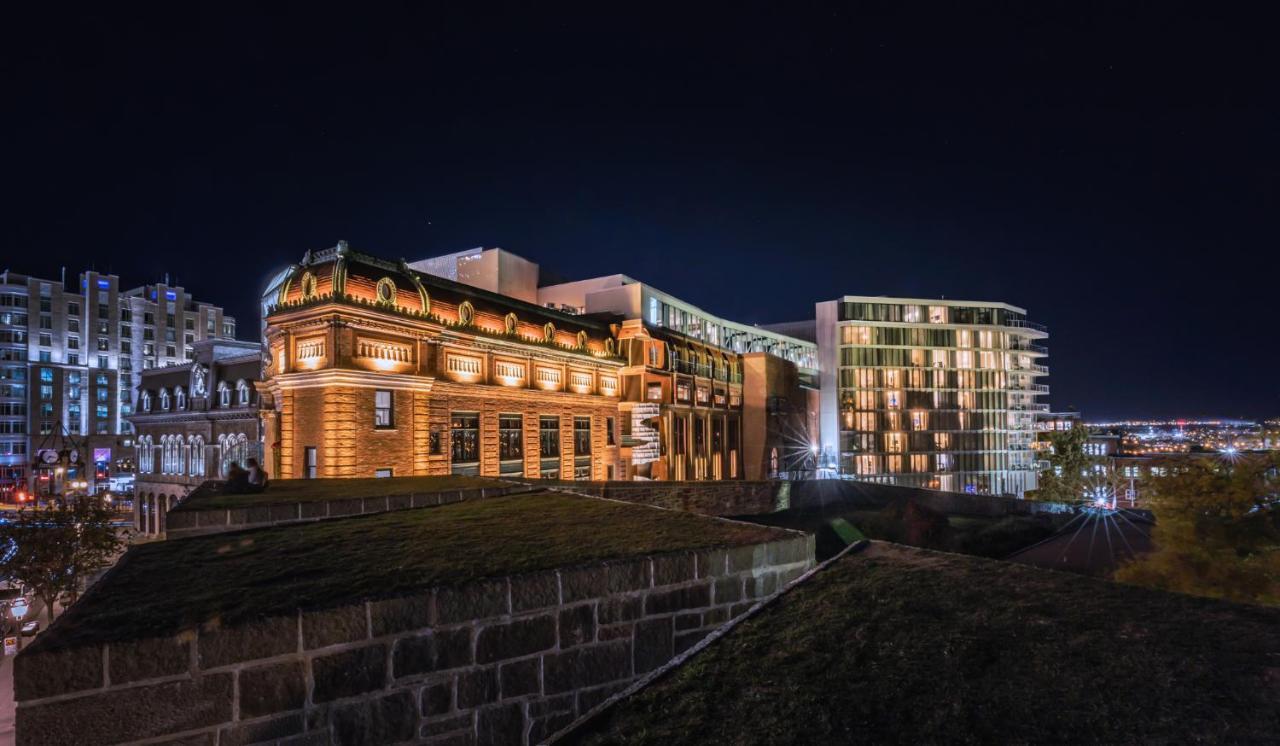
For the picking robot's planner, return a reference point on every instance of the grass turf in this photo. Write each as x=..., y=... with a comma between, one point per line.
x=910, y=646
x=164, y=587
x=314, y=490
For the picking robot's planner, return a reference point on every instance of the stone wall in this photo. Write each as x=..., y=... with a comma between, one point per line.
x=194, y=521
x=498, y=661
x=714, y=498
x=824, y=493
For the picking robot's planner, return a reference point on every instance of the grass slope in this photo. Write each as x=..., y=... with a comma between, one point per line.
x=911, y=646
x=164, y=587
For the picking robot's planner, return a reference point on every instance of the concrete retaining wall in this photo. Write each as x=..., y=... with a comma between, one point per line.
x=826, y=493
x=194, y=521
x=507, y=660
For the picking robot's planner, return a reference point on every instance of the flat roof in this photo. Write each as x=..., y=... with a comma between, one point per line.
x=164, y=587
x=927, y=301
x=282, y=491
x=902, y=645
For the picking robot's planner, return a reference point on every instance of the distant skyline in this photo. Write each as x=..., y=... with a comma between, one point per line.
x=1114, y=172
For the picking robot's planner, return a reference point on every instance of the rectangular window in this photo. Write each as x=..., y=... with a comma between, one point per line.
x=510, y=437
x=464, y=437
x=382, y=406
x=309, y=462
x=548, y=436
x=383, y=473
x=608, y=431
x=581, y=436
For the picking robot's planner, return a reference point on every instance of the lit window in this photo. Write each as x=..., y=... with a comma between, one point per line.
x=382, y=406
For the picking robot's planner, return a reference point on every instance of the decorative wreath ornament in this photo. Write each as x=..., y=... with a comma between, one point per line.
x=509, y=323
x=386, y=291
x=549, y=332
x=466, y=313
x=308, y=286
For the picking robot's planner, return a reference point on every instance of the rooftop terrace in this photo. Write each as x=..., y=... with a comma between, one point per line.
x=207, y=497
x=893, y=644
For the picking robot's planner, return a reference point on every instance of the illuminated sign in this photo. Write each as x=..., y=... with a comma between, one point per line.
x=101, y=455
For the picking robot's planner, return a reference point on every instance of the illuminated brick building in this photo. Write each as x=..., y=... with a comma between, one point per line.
x=376, y=370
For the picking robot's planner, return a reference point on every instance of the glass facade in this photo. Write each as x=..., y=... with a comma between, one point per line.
x=937, y=395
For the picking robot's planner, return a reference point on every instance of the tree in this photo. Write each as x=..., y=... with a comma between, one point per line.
x=1217, y=530
x=1065, y=480
x=53, y=551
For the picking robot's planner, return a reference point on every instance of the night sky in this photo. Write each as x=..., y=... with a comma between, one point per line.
x=1112, y=170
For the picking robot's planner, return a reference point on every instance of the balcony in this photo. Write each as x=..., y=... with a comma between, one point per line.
x=1024, y=324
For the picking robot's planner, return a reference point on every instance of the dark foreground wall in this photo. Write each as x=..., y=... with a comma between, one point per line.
x=715, y=498
x=498, y=661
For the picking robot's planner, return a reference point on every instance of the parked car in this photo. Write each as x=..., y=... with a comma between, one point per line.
x=31, y=628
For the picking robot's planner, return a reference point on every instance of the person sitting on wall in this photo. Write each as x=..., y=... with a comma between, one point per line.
x=237, y=480
x=257, y=476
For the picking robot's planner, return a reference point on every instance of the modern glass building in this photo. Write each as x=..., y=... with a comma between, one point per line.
x=938, y=394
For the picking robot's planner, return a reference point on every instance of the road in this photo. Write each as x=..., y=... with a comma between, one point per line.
x=7, y=705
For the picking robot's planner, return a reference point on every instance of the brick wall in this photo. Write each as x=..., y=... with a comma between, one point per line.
x=506, y=660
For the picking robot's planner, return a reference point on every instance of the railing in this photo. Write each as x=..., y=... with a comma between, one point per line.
x=1039, y=388
x=1024, y=324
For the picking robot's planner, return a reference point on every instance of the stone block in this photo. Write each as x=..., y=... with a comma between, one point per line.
x=787, y=551
x=286, y=512
x=435, y=651
x=739, y=609
x=670, y=569
x=542, y=728
x=653, y=643
x=586, y=666
x=238, y=517
x=746, y=558
x=130, y=714
x=147, y=659
x=181, y=520
x=394, y=615
x=632, y=575
x=692, y=620
x=374, y=504
x=258, y=515
x=263, y=638
x=715, y=617
x=349, y=673
x=334, y=626
x=614, y=632
x=208, y=738
x=212, y=518
x=313, y=510
x=262, y=731
x=788, y=575
x=437, y=698
x=478, y=687
x=678, y=599
x=548, y=705
x=481, y=600
x=425, y=499
x=438, y=726
x=589, y=698
x=266, y=690
x=354, y=506
x=613, y=610
x=760, y=586
x=728, y=590
x=577, y=625
x=686, y=640
x=399, y=502
x=515, y=639
x=519, y=678
x=712, y=563
x=582, y=583
x=500, y=726
x=535, y=591
x=389, y=719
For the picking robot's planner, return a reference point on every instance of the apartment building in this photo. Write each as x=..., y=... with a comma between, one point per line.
x=69, y=353
x=940, y=394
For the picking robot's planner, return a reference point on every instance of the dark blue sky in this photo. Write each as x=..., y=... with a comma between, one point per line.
x=1111, y=168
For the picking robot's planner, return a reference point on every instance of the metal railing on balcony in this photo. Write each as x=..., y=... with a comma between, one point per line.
x=1025, y=324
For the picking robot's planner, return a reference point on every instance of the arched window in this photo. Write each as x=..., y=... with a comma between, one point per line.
x=234, y=448
x=224, y=394
x=146, y=401
x=197, y=456
x=181, y=396
x=242, y=393
x=164, y=400
x=146, y=456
